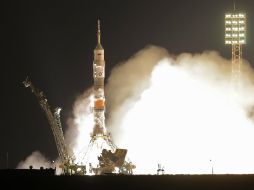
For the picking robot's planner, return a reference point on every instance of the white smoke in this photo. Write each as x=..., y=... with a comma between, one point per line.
x=179, y=111
x=36, y=160
x=80, y=124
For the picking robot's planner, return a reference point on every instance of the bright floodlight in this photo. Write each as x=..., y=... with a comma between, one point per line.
x=235, y=28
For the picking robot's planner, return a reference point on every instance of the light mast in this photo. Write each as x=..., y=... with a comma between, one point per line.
x=235, y=35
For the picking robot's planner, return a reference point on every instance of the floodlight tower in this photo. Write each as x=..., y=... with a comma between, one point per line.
x=235, y=35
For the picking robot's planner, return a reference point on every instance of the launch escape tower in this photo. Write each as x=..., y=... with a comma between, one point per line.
x=235, y=35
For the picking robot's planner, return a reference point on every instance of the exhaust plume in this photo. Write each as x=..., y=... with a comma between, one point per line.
x=80, y=124
x=180, y=112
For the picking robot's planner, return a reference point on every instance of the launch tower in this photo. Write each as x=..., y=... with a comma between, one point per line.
x=235, y=35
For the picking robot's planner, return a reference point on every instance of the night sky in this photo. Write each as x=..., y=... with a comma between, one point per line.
x=53, y=43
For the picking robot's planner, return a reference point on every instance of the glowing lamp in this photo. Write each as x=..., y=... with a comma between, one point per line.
x=235, y=28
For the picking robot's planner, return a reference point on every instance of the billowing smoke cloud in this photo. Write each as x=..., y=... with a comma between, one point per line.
x=80, y=124
x=37, y=160
x=127, y=81
x=177, y=111
x=181, y=112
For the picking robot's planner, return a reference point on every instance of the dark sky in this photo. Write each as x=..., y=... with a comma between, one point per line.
x=53, y=42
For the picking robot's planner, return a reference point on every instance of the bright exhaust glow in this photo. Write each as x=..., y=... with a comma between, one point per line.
x=178, y=112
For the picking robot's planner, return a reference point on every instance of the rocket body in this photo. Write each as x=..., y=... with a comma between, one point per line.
x=99, y=98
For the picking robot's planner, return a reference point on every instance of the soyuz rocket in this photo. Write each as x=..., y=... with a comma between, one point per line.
x=99, y=129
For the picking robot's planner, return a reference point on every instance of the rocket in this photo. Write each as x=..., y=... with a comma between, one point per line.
x=99, y=98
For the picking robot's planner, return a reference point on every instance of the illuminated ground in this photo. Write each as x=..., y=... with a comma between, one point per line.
x=229, y=182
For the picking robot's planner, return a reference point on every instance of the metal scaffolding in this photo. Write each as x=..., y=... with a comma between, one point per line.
x=236, y=63
x=66, y=156
x=235, y=35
